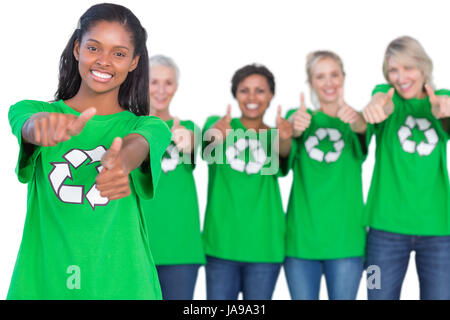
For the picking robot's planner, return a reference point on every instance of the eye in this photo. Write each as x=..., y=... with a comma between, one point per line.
x=120, y=54
x=91, y=48
x=243, y=90
x=259, y=90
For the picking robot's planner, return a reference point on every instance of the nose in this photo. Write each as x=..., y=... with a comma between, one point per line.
x=160, y=89
x=103, y=60
x=252, y=96
x=401, y=76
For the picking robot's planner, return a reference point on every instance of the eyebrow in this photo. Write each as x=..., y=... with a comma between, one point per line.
x=122, y=47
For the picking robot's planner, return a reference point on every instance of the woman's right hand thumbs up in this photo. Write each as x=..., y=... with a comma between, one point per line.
x=379, y=108
x=223, y=125
x=301, y=119
x=47, y=129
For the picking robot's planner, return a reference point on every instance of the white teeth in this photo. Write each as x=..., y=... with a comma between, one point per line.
x=330, y=91
x=252, y=106
x=101, y=75
x=405, y=86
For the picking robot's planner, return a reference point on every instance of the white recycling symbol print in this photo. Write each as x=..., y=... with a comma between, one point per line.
x=313, y=141
x=424, y=148
x=171, y=162
x=257, y=152
x=74, y=193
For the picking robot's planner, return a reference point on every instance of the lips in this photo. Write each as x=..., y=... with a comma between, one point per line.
x=406, y=86
x=159, y=100
x=330, y=92
x=101, y=76
x=252, y=106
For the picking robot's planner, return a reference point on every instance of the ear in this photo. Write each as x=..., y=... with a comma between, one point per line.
x=76, y=50
x=134, y=63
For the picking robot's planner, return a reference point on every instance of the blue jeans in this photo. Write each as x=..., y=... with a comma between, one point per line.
x=226, y=278
x=177, y=281
x=390, y=253
x=342, y=277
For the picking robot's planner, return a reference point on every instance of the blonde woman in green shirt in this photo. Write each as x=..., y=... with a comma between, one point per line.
x=409, y=198
x=325, y=235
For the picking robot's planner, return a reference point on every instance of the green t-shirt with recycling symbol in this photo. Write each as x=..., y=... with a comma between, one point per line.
x=77, y=244
x=244, y=219
x=325, y=209
x=409, y=192
x=173, y=215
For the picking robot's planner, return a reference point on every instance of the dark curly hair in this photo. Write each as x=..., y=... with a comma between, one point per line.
x=249, y=70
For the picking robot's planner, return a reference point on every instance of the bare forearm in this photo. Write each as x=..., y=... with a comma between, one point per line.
x=190, y=148
x=285, y=147
x=135, y=150
x=359, y=126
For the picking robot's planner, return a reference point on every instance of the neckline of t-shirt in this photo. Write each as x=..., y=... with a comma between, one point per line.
x=321, y=112
x=416, y=100
x=94, y=118
x=241, y=125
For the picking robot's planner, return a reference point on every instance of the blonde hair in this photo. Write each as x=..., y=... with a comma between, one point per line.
x=406, y=49
x=311, y=60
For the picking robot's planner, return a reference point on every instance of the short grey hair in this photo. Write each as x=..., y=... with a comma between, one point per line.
x=161, y=60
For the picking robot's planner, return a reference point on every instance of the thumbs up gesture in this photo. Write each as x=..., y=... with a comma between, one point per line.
x=440, y=105
x=301, y=119
x=113, y=182
x=379, y=108
x=48, y=129
x=346, y=113
x=285, y=130
x=224, y=124
x=182, y=137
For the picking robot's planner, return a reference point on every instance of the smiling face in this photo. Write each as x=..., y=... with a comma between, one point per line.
x=326, y=80
x=105, y=57
x=406, y=78
x=163, y=85
x=253, y=95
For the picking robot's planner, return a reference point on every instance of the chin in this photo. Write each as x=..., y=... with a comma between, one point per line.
x=100, y=88
x=161, y=107
x=103, y=90
x=410, y=94
x=328, y=100
x=252, y=116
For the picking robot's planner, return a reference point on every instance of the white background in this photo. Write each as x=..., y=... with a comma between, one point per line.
x=210, y=40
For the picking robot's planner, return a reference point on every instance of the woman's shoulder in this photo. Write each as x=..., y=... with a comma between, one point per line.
x=32, y=106
x=33, y=103
x=442, y=92
x=382, y=88
x=210, y=121
x=189, y=124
